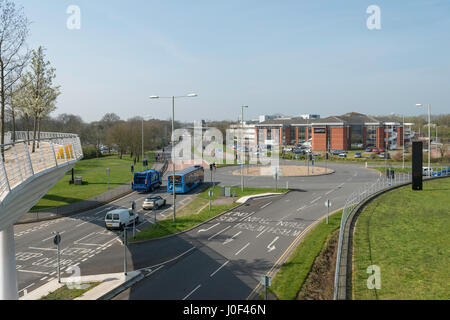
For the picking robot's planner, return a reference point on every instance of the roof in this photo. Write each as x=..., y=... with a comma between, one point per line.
x=186, y=171
x=146, y=171
x=280, y=122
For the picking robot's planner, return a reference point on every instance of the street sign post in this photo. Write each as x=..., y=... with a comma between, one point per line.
x=210, y=194
x=133, y=207
x=57, y=241
x=107, y=174
x=276, y=174
x=125, y=242
x=265, y=282
x=328, y=205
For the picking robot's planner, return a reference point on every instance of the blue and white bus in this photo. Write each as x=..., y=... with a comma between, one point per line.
x=186, y=180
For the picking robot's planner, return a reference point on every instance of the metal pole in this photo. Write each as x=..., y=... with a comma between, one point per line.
x=328, y=210
x=142, y=143
x=125, y=250
x=59, y=266
x=173, y=160
x=429, y=140
x=403, y=136
x=242, y=149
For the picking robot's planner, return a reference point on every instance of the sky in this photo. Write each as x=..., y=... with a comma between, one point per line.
x=278, y=56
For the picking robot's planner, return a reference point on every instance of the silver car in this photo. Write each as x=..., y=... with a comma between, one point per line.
x=153, y=202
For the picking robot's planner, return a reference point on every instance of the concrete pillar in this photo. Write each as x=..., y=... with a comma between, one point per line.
x=8, y=273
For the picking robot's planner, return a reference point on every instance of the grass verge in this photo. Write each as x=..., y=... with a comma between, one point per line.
x=64, y=293
x=289, y=280
x=95, y=181
x=406, y=233
x=189, y=217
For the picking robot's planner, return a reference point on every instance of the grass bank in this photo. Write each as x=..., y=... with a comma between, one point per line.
x=64, y=293
x=291, y=277
x=193, y=214
x=407, y=234
x=95, y=180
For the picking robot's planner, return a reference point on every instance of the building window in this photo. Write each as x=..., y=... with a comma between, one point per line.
x=269, y=134
x=371, y=136
x=301, y=134
x=357, y=137
x=293, y=136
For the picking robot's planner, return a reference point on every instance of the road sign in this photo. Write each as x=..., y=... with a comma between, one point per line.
x=328, y=204
x=266, y=281
x=57, y=239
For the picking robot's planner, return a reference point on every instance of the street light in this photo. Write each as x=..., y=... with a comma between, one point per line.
x=143, y=118
x=429, y=137
x=242, y=147
x=191, y=95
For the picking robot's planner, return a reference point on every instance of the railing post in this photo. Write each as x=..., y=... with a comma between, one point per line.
x=54, y=154
x=27, y=152
x=4, y=173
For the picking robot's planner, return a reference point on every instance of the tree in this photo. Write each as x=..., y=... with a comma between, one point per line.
x=40, y=89
x=13, y=54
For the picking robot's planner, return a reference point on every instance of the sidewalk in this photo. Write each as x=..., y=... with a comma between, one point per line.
x=111, y=285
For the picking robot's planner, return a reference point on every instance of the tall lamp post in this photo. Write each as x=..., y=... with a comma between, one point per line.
x=429, y=137
x=242, y=147
x=143, y=118
x=191, y=95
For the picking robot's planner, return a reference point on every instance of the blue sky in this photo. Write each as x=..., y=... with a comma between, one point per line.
x=289, y=57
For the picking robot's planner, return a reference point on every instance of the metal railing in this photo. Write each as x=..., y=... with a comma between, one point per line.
x=358, y=197
x=25, y=158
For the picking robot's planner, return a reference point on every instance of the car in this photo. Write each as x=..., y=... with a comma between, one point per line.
x=381, y=150
x=287, y=149
x=369, y=149
x=358, y=155
x=120, y=218
x=384, y=155
x=342, y=155
x=154, y=202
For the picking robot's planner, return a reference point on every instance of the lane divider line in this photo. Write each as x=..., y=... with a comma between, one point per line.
x=212, y=274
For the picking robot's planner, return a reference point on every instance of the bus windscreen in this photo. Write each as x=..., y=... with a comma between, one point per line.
x=177, y=179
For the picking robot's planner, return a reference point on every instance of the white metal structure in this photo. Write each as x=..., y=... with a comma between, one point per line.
x=25, y=177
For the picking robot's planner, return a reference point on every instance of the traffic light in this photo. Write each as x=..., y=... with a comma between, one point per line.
x=327, y=157
x=211, y=167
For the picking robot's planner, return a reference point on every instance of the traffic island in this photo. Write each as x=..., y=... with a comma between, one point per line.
x=286, y=171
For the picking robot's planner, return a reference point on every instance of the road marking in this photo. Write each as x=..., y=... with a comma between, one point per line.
x=52, y=237
x=192, y=292
x=204, y=230
x=212, y=274
x=29, y=271
x=232, y=238
x=271, y=246
x=266, y=205
x=262, y=232
x=44, y=249
x=219, y=233
x=316, y=200
x=300, y=209
x=25, y=289
x=242, y=249
x=329, y=192
x=247, y=216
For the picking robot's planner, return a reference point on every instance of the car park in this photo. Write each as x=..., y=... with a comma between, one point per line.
x=120, y=218
x=154, y=202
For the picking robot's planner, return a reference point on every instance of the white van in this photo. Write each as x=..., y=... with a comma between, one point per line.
x=117, y=219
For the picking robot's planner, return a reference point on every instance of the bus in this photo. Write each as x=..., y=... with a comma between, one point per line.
x=146, y=181
x=186, y=180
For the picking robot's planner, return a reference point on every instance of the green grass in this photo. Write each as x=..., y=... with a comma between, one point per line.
x=94, y=176
x=407, y=234
x=64, y=293
x=288, y=281
x=188, y=216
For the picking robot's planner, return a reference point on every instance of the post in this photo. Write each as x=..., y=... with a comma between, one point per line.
x=328, y=211
x=125, y=250
x=403, y=137
x=173, y=161
x=59, y=263
x=429, y=140
x=8, y=273
x=142, y=140
x=154, y=213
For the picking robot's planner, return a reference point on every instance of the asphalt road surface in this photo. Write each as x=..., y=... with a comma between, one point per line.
x=224, y=259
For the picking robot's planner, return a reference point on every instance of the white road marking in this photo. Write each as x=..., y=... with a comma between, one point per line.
x=262, y=232
x=29, y=271
x=316, y=200
x=266, y=205
x=25, y=289
x=192, y=292
x=247, y=216
x=204, y=230
x=212, y=274
x=329, y=192
x=219, y=233
x=232, y=238
x=242, y=249
x=44, y=249
x=271, y=246
x=300, y=209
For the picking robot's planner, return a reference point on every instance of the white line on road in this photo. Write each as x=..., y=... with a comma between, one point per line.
x=52, y=237
x=204, y=230
x=24, y=289
x=212, y=274
x=329, y=192
x=28, y=271
x=266, y=205
x=43, y=249
x=219, y=233
x=271, y=246
x=192, y=292
x=316, y=200
x=242, y=249
x=300, y=209
x=247, y=216
x=232, y=238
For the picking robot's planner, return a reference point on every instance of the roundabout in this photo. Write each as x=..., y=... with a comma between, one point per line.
x=285, y=170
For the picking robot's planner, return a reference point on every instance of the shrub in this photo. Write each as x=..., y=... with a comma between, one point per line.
x=90, y=152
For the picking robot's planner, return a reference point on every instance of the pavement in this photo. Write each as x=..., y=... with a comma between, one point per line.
x=222, y=259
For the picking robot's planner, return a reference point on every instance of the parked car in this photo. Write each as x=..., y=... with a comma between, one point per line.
x=287, y=149
x=120, y=218
x=381, y=150
x=153, y=202
x=358, y=155
x=369, y=149
x=384, y=155
x=342, y=155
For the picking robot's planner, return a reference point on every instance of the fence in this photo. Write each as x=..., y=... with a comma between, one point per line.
x=351, y=204
x=24, y=158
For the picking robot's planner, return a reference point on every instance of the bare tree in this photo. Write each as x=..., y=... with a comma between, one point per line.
x=14, y=55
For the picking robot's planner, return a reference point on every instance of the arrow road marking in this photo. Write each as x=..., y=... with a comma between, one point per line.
x=232, y=238
x=271, y=246
x=204, y=230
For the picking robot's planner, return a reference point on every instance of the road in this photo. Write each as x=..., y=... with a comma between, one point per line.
x=230, y=253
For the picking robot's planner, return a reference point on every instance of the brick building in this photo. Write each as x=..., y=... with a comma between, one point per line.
x=350, y=131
